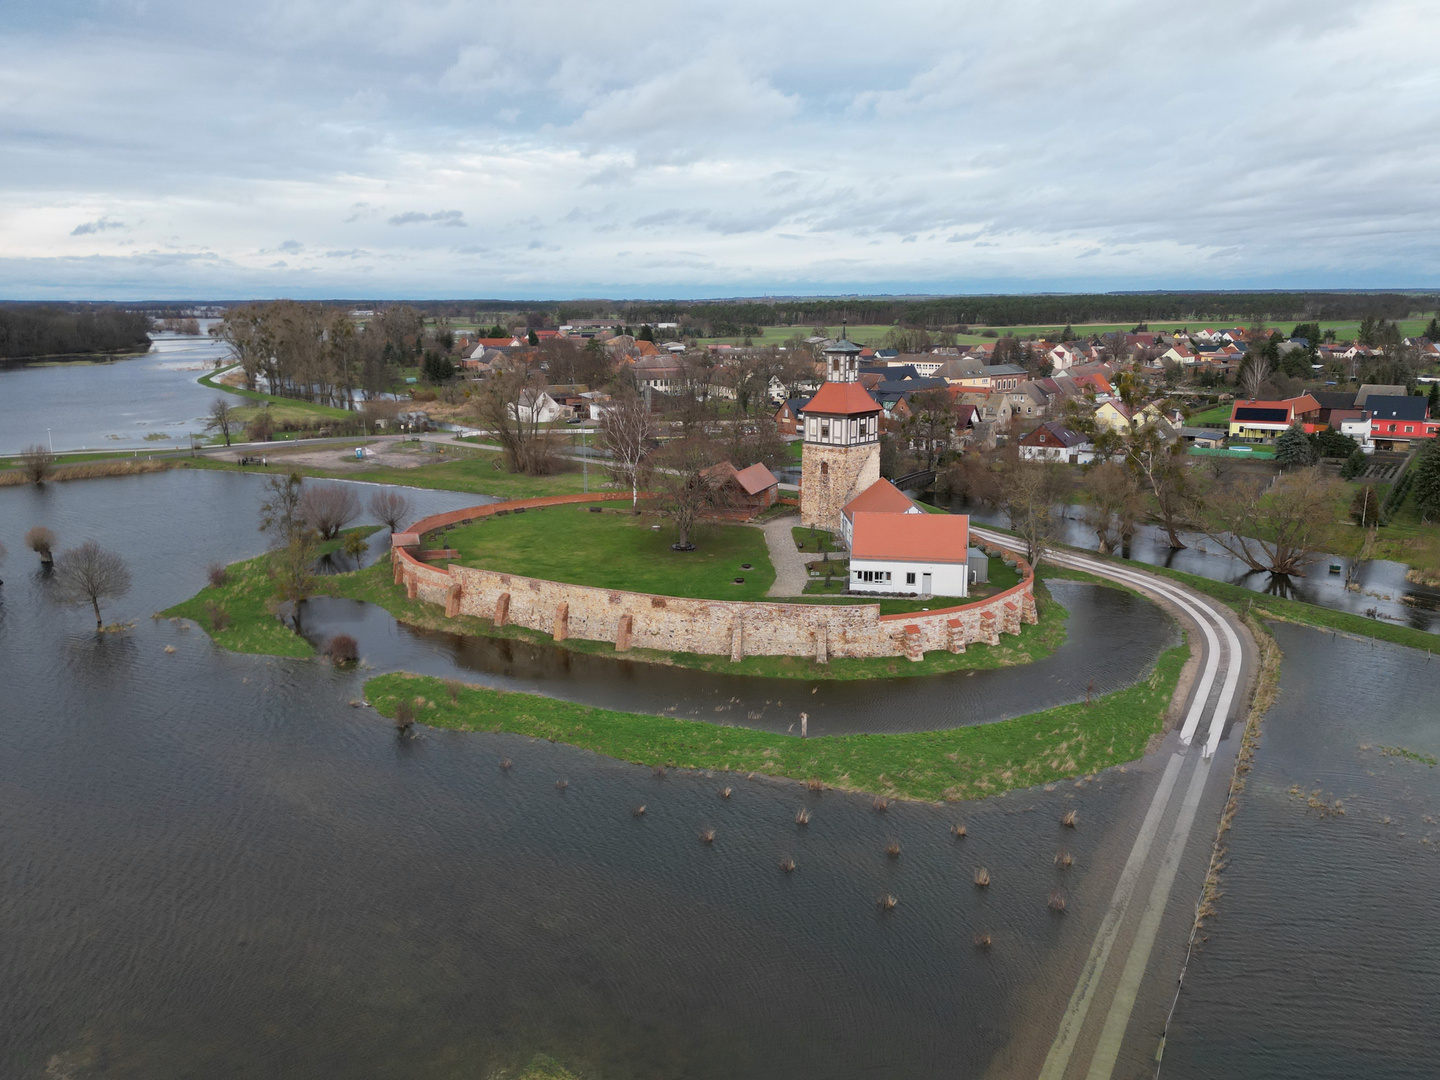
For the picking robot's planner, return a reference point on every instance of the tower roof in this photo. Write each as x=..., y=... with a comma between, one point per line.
x=844, y=345
x=842, y=399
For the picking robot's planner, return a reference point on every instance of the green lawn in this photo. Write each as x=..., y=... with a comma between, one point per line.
x=617, y=550
x=1219, y=414
x=964, y=763
x=247, y=601
x=311, y=408
x=476, y=473
x=813, y=540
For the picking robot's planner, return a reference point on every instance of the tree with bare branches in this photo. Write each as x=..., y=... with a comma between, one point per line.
x=1277, y=529
x=222, y=417
x=390, y=507
x=505, y=406
x=89, y=574
x=627, y=430
x=292, y=571
x=41, y=540
x=280, y=512
x=1113, y=505
x=328, y=508
x=1159, y=464
x=1254, y=371
x=686, y=488
x=1029, y=491
x=37, y=462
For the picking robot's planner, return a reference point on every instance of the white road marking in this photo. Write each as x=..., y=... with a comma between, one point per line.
x=1107, y=1050
x=1074, y=1018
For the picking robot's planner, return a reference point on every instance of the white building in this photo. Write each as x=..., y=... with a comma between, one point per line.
x=926, y=554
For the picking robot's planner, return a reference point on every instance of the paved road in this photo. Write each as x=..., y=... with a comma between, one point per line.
x=1096, y=1023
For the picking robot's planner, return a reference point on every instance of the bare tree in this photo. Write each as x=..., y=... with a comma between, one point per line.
x=1254, y=370
x=89, y=574
x=390, y=507
x=1276, y=530
x=686, y=490
x=930, y=428
x=222, y=418
x=1160, y=466
x=627, y=429
x=41, y=541
x=1029, y=490
x=507, y=406
x=37, y=463
x=328, y=508
x=292, y=571
x=280, y=512
x=1112, y=505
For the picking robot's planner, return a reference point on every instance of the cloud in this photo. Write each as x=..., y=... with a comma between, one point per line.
x=102, y=225
x=291, y=246
x=439, y=217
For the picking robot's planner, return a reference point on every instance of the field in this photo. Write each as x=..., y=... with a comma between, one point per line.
x=875, y=335
x=963, y=763
x=614, y=550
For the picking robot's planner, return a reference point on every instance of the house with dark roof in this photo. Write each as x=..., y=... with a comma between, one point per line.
x=1054, y=441
x=790, y=416
x=1397, y=422
x=1263, y=421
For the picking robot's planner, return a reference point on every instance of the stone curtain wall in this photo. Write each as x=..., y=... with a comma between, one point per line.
x=678, y=624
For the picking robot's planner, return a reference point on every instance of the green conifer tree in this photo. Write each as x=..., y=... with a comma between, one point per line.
x=1426, y=484
x=1293, y=449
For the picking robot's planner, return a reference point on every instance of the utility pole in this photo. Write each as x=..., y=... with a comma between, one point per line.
x=584, y=459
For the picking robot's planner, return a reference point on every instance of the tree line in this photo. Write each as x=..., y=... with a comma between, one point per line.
x=44, y=330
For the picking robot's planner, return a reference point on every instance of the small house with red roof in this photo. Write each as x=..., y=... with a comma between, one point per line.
x=747, y=492
x=922, y=554
x=881, y=497
x=1262, y=421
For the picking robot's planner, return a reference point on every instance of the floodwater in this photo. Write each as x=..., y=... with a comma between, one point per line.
x=1384, y=593
x=213, y=865
x=110, y=406
x=1324, y=962
x=1112, y=641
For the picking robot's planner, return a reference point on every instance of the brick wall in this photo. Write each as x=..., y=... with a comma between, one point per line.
x=679, y=624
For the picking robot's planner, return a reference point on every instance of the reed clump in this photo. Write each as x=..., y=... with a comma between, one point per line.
x=958, y=831
x=506, y=764
x=725, y=793
x=892, y=849
x=787, y=865
x=1064, y=860
x=91, y=470
x=707, y=836
x=802, y=816
x=658, y=772
x=815, y=785
x=888, y=902
x=639, y=811
x=1069, y=818
x=982, y=940
x=561, y=785
x=982, y=876
x=1057, y=901
x=879, y=805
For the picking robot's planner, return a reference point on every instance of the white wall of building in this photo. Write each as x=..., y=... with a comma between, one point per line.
x=946, y=578
x=1084, y=454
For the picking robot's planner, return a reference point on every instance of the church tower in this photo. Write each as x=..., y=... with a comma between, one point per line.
x=840, y=457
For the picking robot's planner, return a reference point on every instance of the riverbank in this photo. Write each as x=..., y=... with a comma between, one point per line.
x=940, y=766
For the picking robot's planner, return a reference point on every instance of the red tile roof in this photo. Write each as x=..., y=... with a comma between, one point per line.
x=755, y=479
x=911, y=537
x=842, y=399
x=881, y=497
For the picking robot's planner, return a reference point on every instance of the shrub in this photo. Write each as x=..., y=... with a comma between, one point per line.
x=218, y=616
x=41, y=541
x=37, y=462
x=343, y=649
x=218, y=574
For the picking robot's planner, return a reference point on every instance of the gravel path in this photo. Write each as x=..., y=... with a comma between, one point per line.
x=790, y=572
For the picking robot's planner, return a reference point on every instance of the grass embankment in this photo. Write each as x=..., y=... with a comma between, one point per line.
x=963, y=763
x=478, y=472
x=310, y=409
x=93, y=469
x=615, y=549
x=244, y=603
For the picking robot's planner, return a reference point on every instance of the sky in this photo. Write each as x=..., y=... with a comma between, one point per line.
x=524, y=149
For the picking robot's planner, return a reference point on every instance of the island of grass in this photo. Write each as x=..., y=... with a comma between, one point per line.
x=959, y=763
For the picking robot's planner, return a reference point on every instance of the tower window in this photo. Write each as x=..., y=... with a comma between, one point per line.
x=824, y=468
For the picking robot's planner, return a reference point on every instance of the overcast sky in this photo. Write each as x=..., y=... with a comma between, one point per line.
x=380, y=148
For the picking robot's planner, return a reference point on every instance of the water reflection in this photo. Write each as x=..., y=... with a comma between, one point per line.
x=1381, y=589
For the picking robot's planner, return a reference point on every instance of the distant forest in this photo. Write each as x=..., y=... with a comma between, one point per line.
x=720, y=318
x=53, y=330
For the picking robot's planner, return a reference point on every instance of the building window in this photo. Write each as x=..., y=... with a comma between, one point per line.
x=825, y=429
x=909, y=579
x=824, y=468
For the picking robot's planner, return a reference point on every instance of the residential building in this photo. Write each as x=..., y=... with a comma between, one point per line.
x=1396, y=422
x=1054, y=441
x=926, y=554
x=881, y=497
x=1263, y=421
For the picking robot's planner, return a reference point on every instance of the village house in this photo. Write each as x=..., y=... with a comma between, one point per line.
x=747, y=492
x=926, y=554
x=1264, y=421
x=1055, y=441
x=1397, y=422
x=881, y=497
